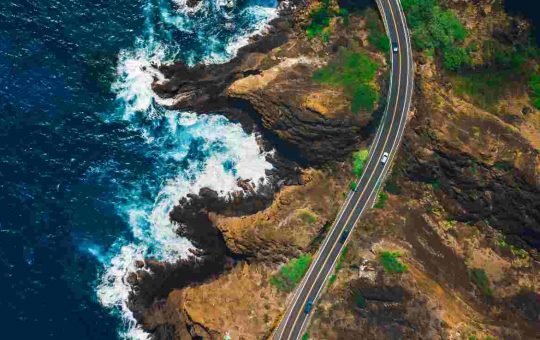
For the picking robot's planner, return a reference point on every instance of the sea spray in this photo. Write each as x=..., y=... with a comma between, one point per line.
x=190, y=151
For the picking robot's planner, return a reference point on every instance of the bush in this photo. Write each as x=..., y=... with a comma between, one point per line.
x=455, y=57
x=433, y=27
x=359, y=161
x=320, y=20
x=383, y=197
x=390, y=262
x=480, y=279
x=290, y=274
x=534, y=85
x=354, y=72
x=360, y=301
x=306, y=215
x=377, y=35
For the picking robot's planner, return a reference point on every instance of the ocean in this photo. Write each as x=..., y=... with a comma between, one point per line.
x=91, y=163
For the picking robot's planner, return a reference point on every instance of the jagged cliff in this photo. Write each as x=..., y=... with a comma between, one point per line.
x=461, y=206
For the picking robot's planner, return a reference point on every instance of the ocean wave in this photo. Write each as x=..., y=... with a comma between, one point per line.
x=188, y=151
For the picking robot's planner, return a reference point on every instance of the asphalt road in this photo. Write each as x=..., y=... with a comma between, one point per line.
x=387, y=139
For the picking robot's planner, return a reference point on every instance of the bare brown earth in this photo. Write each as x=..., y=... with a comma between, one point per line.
x=464, y=194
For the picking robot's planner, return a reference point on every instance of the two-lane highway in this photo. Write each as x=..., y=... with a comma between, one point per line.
x=386, y=140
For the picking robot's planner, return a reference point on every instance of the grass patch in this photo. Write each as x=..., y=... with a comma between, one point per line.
x=291, y=273
x=484, y=88
x=480, y=279
x=383, y=197
x=390, y=262
x=355, y=72
x=307, y=216
x=359, y=161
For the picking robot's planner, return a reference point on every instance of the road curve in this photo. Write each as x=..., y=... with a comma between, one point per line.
x=387, y=139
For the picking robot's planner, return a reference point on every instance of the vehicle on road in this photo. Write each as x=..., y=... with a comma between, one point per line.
x=384, y=158
x=344, y=235
x=395, y=47
x=309, y=304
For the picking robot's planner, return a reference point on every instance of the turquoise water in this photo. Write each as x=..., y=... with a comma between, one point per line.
x=91, y=164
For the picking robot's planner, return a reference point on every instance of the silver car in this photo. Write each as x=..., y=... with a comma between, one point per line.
x=384, y=158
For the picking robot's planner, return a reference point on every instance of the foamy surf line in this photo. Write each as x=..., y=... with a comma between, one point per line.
x=227, y=153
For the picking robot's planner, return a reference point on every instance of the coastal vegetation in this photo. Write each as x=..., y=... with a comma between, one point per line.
x=307, y=216
x=354, y=71
x=290, y=274
x=480, y=279
x=359, y=161
x=321, y=17
x=437, y=30
x=383, y=197
x=377, y=35
x=391, y=263
x=534, y=84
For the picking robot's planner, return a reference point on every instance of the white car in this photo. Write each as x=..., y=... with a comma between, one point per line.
x=384, y=158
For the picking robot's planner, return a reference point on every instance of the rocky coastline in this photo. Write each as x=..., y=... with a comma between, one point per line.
x=450, y=202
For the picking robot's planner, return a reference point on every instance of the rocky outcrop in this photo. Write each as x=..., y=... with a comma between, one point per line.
x=270, y=80
x=316, y=119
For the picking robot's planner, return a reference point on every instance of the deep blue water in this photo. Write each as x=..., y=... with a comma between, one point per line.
x=90, y=164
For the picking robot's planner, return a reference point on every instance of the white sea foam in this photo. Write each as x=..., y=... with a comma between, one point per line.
x=227, y=153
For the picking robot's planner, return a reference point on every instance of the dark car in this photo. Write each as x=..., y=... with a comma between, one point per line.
x=395, y=47
x=309, y=304
x=344, y=235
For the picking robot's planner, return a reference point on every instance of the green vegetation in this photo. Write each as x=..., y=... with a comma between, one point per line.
x=360, y=300
x=359, y=160
x=518, y=252
x=321, y=17
x=534, y=85
x=390, y=262
x=305, y=336
x=332, y=279
x=504, y=166
x=354, y=71
x=353, y=185
x=377, y=35
x=392, y=187
x=290, y=274
x=306, y=215
x=486, y=88
x=434, y=28
x=480, y=279
x=383, y=197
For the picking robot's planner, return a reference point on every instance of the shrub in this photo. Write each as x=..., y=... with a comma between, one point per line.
x=455, y=57
x=306, y=215
x=291, y=273
x=377, y=35
x=434, y=27
x=360, y=301
x=359, y=161
x=383, y=197
x=480, y=279
x=320, y=20
x=390, y=262
x=534, y=85
x=354, y=72
x=353, y=185
x=305, y=336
